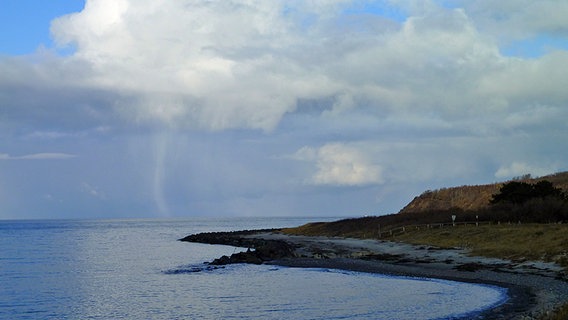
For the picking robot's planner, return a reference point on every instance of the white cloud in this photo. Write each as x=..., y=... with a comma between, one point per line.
x=216, y=65
x=514, y=19
x=246, y=64
x=517, y=169
x=234, y=64
x=341, y=165
x=93, y=191
x=38, y=156
x=47, y=135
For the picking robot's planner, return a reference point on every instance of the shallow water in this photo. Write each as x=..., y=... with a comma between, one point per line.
x=136, y=269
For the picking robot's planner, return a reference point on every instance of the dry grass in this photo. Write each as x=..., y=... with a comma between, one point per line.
x=351, y=228
x=546, y=242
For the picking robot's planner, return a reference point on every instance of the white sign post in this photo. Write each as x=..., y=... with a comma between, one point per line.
x=454, y=220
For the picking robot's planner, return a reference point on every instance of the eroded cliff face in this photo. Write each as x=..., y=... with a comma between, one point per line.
x=471, y=197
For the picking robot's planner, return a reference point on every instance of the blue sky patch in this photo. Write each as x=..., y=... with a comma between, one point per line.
x=25, y=24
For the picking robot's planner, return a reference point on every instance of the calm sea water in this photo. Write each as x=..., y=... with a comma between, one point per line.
x=136, y=269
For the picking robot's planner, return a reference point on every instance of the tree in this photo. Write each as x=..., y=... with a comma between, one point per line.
x=545, y=188
x=513, y=192
x=519, y=192
x=540, y=202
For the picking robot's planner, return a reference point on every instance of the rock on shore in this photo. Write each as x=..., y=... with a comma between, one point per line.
x=258, y=252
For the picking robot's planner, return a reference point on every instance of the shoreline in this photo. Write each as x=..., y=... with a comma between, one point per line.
x=533, y=288
x=517, y=303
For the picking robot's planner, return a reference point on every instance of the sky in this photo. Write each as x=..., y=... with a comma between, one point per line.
x=183, y=108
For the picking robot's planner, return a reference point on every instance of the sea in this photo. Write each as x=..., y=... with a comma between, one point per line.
x=137, y=269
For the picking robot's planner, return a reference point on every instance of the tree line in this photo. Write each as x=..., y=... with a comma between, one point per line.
x=521, y=201
x=515, y=202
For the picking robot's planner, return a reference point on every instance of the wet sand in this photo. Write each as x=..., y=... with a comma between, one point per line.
x=534, y=288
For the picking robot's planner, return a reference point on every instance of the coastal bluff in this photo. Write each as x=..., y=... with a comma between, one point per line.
x=474, y=197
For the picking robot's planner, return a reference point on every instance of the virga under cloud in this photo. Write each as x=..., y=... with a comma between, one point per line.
x=384, y=97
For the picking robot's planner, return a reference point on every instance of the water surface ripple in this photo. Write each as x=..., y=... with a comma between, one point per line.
x=136, y=269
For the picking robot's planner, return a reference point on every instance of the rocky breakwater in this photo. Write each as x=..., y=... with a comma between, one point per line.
x=258, y=250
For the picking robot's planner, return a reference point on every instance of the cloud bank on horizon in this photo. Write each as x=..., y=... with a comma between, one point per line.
x=253, y=107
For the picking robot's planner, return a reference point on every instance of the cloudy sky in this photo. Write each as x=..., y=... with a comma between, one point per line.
x=158, y=108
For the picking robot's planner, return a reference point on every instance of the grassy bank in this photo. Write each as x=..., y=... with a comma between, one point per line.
x=546, y=242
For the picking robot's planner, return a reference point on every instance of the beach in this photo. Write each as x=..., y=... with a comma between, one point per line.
x=534, y=287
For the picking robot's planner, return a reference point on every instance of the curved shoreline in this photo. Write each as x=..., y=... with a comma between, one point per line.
x=533, y=288
x=518, y=302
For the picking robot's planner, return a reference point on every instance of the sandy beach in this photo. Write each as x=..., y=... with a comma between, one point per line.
x=533, y=287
